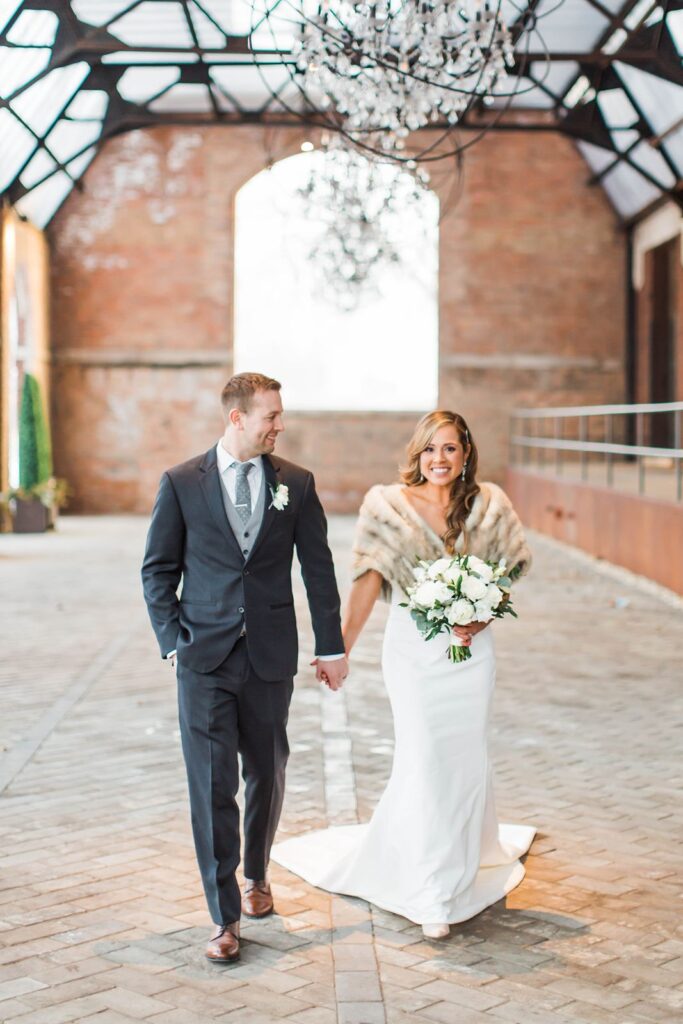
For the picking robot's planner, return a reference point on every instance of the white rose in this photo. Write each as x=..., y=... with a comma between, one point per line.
x=438, y=567
x=420, y=573
x=461, y=612
x=431, y=591
x=474, y=588
x=453, y=572
x=479, y=566
x=482, y=612
x=494, y=595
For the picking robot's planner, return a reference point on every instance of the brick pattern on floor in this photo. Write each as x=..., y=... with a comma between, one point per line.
x=101, y=915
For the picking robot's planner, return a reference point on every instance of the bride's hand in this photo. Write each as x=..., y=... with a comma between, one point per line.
x=465, y=633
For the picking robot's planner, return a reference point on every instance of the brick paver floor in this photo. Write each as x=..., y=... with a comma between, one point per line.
x=101, y=916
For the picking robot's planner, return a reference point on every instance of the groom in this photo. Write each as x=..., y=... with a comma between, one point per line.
x=226, y=524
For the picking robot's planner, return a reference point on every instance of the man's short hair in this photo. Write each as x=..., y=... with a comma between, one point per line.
x=240, y=390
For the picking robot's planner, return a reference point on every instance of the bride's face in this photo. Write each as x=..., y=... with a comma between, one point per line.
x=442, y=460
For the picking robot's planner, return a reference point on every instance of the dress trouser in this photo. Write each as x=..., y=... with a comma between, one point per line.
x=223, y=713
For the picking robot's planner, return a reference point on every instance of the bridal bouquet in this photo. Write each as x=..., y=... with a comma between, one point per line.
x=455, y=592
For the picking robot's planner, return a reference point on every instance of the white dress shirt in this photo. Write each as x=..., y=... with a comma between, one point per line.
x=228, y=475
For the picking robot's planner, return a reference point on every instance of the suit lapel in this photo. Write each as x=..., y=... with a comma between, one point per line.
x=271, y=472
x=210, y=483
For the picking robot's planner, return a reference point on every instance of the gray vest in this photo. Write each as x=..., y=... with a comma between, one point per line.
x=246, y=534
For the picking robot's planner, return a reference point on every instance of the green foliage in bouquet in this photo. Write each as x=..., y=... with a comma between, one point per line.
x=35, y=450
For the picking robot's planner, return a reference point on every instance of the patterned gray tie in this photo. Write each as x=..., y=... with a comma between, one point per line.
x=243, y=491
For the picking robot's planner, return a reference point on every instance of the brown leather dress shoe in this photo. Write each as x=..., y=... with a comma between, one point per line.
x=257, y=900
x=224, y=945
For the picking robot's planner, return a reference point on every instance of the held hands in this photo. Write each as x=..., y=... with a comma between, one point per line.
x=465, y=633
x=332, y=673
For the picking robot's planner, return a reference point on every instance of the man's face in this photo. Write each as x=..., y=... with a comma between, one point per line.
x=262, y=423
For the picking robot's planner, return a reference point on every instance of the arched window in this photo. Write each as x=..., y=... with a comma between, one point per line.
x=381, y=355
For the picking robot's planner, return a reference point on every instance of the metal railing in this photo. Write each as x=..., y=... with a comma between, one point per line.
x=626, y=436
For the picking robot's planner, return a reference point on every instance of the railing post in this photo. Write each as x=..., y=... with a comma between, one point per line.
x=640, y=437
x=679, y=461
x=583, y=424
x=609, y=439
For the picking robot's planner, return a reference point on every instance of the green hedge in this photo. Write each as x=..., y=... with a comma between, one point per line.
x=35, y=449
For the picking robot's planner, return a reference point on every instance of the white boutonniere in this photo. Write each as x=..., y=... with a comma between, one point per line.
x=280, y=496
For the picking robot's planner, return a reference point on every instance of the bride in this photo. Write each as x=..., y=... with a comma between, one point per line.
x=433, y=851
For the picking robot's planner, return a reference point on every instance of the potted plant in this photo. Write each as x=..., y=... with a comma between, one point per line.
x=35, y=502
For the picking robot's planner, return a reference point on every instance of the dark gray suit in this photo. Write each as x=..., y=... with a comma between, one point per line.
x=235, y=632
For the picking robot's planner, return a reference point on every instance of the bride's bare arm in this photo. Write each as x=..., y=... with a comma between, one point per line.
x=364, y=592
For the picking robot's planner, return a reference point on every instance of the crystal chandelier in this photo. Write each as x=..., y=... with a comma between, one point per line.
x=391, y=67
x=398, y=78
x=360, y=205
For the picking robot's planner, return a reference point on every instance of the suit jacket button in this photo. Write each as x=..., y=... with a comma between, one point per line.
x=241, y=611
x=246, y=571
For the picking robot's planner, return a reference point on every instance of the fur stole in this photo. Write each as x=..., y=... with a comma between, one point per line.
x=391, y=537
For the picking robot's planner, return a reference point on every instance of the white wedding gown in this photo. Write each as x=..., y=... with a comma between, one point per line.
x=433, y=851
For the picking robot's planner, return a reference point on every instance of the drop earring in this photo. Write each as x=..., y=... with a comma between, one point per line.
x=464, y=470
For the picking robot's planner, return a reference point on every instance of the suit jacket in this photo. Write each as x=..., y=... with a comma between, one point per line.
x=190, y=539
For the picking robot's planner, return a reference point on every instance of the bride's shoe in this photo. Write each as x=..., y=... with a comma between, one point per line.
x=436, y=931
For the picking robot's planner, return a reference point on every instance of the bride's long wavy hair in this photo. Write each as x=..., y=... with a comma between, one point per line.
x=463, y=492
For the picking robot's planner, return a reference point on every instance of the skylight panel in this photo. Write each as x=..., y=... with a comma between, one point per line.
x=674, y=23
x=153, y=24
x=596, y=157
x=556, y=76
x=628, y=190
x=88, y=105
x=42, y=103
x=186, y=98
x=573, y=26
x=150, y=57
x=673, y=144
x=41, y=203
x=624, y=139
x=208, y=35
x=98, y=12
x=647, y=157
x=247, y=84
x=34, y=28
x=68, y=138
x=660, y=101
x=38, y=167
x=80, y=164
x=17, y=145
x=17, y=67
x=7, y=9
x=234, y=16
x=137, y=85
x=616, y=108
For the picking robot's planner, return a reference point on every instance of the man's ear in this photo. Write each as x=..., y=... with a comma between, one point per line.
x=235, y=418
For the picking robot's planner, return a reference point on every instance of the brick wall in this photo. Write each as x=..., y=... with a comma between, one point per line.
x=531, y=309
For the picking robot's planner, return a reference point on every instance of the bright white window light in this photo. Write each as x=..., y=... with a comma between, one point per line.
x=38, y=168
x=17, y=145
x=234, y=17
x=634, y=17
x=17, y=67
x=309, y=344
x=34, y=28
x=628, y=190
x=615, y=41
x=78, y=167
x=207, y=34
x=616, y=108
x=88, y=105
x=660, y=101
x=98, y=12
x=150, y=57
x=42, y=202
x=41, y=103
x=137, y=85
x=68, y=138
x=153, y=24
x=577, y=91
x=647, y=157
x=7, y=9
x=190, y=98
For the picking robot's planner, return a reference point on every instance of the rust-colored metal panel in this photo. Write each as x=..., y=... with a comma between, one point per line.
x=642, y=534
